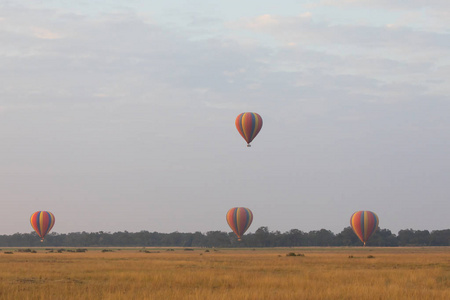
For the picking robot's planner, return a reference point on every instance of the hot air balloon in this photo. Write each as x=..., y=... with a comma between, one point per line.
x=249, y=124
x=364, y=224
x=239, y=219
x=42, y=222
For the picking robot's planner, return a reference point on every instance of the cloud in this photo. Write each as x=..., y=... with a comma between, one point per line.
x=122, y=57
x=307, y=32
x=46, y=34
x=262, y=22
x=390, y=56
x=387, y=4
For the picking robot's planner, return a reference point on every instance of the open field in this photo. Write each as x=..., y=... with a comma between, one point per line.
x=268, y=273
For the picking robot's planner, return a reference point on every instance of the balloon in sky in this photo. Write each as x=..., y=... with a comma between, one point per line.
x=42, y=222
x=239, y=219
x=249, y=124
x=364, y=224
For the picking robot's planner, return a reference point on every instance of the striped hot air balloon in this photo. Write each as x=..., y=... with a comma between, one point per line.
x=42, y=222
x=249, y=124
x=364, y=224
x=239, y=219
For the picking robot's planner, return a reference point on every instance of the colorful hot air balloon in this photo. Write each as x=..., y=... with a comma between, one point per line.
x=239, y=219
x=249, y=124
x=42, y=222
x=364, y=224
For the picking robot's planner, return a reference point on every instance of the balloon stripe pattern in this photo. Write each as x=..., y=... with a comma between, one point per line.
x=364, y=224
x=42, y=222
x=239, y=219
x=249, y=124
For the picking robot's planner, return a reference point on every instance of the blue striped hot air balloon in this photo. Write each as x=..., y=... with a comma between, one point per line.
x=364, y=224
x=239, y=219
x=42, y=222
x=249, y=124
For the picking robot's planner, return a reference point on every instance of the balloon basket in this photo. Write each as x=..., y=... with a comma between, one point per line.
x=42, y=240
x=249, y=145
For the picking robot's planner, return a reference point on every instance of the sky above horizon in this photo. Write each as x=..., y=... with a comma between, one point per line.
x=119, y=115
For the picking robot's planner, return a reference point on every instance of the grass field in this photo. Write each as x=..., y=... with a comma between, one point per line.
x=317, y=273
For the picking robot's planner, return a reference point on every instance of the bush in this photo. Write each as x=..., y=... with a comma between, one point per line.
x=24, y=250
x=148, y=251
x=293, y=254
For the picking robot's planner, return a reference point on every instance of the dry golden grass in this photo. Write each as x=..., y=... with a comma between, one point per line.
x=323, y=273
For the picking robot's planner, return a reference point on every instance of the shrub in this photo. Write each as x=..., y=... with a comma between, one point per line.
x=24, y=250
x=294, y=254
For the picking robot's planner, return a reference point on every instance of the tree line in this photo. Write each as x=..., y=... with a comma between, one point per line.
x=262, y=237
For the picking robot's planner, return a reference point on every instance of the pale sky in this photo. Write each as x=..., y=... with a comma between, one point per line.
x=119, y=115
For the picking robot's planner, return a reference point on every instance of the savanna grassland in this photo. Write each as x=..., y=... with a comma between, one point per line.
x=275, y=273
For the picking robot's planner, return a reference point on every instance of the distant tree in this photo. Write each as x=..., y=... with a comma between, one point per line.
x=198, y=239
x=421, y=238
x=217, y=239
x=261, y=238
x=383, y=238
x=295, y=238
x=405, y=236
x=410, y=237
x=440, y=238
x=321, y=237
x=347, y=237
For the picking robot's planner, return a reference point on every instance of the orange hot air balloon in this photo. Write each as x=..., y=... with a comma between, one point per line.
x=239, y=219
x=364, y=224
x=42, y=222
x=249, y=124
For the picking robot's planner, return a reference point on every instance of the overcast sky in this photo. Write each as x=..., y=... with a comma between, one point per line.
x=119, y=115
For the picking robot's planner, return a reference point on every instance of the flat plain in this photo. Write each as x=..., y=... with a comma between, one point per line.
x=206, y=273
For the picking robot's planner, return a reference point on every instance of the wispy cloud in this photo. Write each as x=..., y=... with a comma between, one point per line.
x=45, y=34
x=387, y=4
x=300, y=29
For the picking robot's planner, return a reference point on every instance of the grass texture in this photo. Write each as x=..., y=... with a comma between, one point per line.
x=275, y=273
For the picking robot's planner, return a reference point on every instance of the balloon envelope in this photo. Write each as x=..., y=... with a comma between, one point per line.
x=239, y=219
x=364, y=224
x=249, y=124
x=42, y=222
